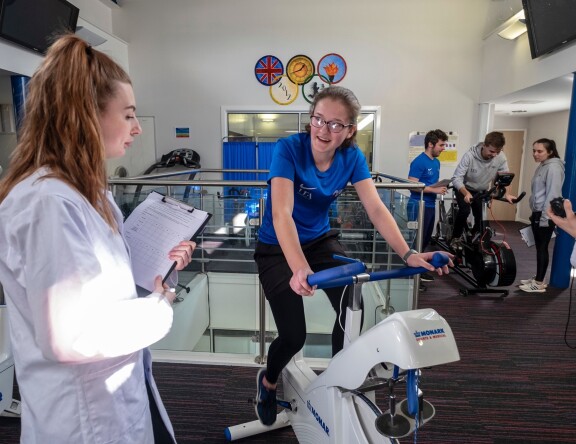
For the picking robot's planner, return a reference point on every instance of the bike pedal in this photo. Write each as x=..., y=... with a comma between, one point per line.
x=285, y=404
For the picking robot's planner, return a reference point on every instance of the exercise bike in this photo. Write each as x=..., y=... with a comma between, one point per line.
x=339, y=405
x=491, y=262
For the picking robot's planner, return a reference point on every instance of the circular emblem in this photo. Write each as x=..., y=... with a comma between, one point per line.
x=284, y=92
x=313, y=85
x=299, y=69
x=268, y=70
x=333, y=67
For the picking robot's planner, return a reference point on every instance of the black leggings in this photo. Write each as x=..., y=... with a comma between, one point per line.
x=288, y=307
x=542, y=236
x=461, y=219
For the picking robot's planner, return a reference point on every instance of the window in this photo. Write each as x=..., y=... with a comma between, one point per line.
x=269, y=126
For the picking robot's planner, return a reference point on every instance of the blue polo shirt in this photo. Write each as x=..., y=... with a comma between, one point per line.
x=427, y=171
x=314, y=190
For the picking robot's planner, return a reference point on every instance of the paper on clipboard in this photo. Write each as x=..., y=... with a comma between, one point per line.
x=527, y=235
x=156, y=226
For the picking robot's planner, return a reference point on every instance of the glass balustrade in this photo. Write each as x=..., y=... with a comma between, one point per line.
x=217, y=316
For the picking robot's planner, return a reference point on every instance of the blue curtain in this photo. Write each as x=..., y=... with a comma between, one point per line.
x=245, y=156
x=264, y=158
x=237, y=156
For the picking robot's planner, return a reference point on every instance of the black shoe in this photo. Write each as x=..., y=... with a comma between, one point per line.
x=427, y=277
x=423, y=287
x=265, y=401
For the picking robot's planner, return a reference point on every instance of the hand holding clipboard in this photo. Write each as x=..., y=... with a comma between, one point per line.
x=153, y=229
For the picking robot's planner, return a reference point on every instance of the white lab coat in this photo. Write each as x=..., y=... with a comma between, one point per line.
x=79, y=332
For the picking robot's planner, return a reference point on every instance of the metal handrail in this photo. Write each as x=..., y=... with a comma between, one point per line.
x=163, y=179
x=156, y=180
x=394, y=178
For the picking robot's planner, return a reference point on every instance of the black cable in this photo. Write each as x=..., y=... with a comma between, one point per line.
x=569, y=313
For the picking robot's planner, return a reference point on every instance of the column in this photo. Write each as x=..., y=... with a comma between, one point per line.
x=560, y=272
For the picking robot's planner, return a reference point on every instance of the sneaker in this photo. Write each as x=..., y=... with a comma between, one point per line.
x=265, y=401
x=427, y=277
x=456, y=244
x=526, y=281
x=534, y=287
x=530, y=281
x=423, y=287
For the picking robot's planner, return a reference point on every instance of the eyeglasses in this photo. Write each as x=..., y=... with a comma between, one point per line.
x=334, y=127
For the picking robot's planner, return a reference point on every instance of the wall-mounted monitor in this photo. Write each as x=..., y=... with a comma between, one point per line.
x=34, y=23
x=550, y=23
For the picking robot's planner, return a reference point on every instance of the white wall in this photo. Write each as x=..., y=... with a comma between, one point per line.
x=18, y=60
x=508, y=66
x=426, y=70
x=188, y=59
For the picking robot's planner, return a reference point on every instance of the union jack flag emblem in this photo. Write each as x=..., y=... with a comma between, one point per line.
x=268, y=70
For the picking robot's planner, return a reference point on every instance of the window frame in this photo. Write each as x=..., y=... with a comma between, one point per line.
x=376, y=110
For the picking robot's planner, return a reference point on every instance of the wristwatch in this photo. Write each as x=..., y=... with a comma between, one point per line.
x=407, y=255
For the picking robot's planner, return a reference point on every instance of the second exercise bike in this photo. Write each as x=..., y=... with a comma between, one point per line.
x=490, y=261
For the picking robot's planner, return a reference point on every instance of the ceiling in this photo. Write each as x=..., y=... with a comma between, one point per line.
x=547, y=97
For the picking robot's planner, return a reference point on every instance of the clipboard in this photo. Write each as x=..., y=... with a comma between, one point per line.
x=527, y=235
x=154, y=227
x=441, y=183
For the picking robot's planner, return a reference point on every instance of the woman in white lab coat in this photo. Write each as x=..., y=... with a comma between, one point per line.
x=79, y=331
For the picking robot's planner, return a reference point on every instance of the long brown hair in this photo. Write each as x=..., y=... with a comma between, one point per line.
x=60, y=129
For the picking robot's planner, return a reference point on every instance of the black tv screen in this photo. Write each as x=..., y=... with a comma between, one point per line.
x=550, y=23
x=34, y=23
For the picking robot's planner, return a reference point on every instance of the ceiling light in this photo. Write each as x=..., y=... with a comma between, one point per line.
x=514, y=27
x=267, y=117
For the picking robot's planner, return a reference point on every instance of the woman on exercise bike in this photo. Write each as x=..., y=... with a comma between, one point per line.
x=308, y=172
x=546, y=185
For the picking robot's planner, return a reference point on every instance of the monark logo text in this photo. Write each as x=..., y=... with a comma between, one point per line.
x=318, y=418
x=424, y=335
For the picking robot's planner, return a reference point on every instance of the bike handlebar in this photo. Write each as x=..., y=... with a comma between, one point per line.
x=488, y=195
x=519, y=198
x=344, y=274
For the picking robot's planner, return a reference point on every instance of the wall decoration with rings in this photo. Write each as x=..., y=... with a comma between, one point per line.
x=300, y=76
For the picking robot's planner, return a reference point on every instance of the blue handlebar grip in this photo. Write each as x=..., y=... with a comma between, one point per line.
x=439, y=260
x=343, y=272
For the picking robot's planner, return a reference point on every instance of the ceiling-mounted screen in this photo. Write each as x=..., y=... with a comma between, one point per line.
x=550, y=23
x=34, y=23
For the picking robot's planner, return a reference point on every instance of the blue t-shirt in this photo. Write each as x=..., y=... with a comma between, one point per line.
x=314, y=190
x=427, y=171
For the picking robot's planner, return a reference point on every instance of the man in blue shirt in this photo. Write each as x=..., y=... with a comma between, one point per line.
x=426, y=169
